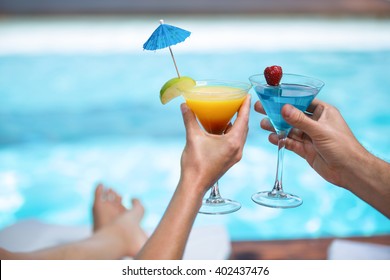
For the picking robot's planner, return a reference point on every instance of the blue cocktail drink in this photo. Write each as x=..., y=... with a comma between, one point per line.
x=298, y=91
x=274, y=98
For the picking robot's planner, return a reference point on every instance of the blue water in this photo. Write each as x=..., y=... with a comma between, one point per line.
x=273, y=100
x=70, y=121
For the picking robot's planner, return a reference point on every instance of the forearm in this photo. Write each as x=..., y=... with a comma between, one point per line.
x=369, y=179
x=170, y=237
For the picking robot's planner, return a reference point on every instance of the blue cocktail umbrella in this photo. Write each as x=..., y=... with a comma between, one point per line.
x=166, y=36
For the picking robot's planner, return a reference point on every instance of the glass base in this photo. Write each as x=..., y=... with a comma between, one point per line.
x=219, y=206
x=277, y=200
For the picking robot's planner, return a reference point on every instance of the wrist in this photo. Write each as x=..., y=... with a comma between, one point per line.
x=194, y=185
x=351, y=163
x=356, y=167
x=364, y=172
x=370, y=181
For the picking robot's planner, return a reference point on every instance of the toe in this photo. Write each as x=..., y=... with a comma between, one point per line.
x=99, y=190
x=137, y=207
x=111, y=195
x=99, y=194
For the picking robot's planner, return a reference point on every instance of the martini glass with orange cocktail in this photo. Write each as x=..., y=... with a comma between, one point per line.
x=215, y=103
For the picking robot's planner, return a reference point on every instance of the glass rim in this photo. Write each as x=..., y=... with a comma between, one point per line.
x=312, y=79
x=238, y=86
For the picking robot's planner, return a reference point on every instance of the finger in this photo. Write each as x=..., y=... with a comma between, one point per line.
x=240, y=126
x=298, y=119
x=189, y=119
x=259, y=108
x=228, y=128
x=313, y=105
x=243, y=112
x=267, y=125
x=273, y=138
x=296, y=134
x=290, y=144
x=316, y=108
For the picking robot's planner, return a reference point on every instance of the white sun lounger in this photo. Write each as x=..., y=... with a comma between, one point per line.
x=353, y=250
x=205, y=243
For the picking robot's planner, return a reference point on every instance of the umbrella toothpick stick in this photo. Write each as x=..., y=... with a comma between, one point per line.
x=165, y=36
x=174, y=62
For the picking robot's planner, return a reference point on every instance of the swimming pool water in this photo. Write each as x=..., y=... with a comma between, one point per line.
x=68, y=121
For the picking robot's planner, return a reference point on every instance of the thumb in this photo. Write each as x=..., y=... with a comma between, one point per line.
x=189, y=119
x=298, y=119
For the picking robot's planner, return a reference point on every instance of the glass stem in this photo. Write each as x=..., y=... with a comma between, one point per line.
x=215, y=197
x=278, y=187
x=214, y=193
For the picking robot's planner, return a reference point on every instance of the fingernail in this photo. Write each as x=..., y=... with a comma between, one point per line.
x=183, y=108
x=288, y=110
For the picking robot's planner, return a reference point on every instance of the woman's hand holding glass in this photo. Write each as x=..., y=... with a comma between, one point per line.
x=206, y=156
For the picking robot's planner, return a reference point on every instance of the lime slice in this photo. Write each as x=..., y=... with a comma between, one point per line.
x=174, y=87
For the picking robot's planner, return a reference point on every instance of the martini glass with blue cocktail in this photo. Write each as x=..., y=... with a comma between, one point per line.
x=275, y=90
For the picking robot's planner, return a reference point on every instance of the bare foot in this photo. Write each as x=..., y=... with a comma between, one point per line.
x=108, y=210
x=107, y=206
x=129, y=222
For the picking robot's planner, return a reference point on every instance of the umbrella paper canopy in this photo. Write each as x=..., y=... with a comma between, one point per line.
x=165, y=36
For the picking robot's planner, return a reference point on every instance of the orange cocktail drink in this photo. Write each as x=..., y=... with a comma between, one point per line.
x=215, y=104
